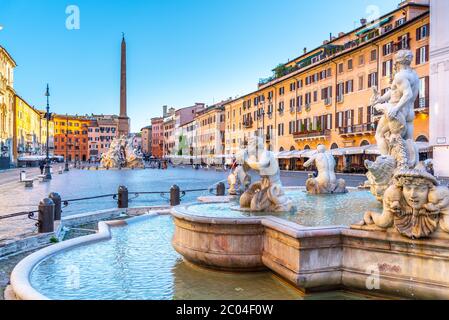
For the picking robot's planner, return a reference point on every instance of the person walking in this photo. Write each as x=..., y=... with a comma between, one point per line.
x=41, y=166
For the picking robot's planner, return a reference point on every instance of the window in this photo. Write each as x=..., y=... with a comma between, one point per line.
x=280, y=129
x=349, y=87
x=292, y=86
x=281, y=91
x=350, y=64
x=387, y=68
x=315, y=96
x=340, y=68
x=308, y=98
x=340, y=90
x=361, y=82
x=422, y=55
x=372, y=79
x=388, y=49
x=299, y=84
x=422, y=32
x=400, y=22
x=373, y=55
x=329, y=73
x=361, y=60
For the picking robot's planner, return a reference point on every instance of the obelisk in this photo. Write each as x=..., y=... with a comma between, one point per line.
x=123, y=122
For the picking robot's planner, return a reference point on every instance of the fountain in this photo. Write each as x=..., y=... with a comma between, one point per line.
x=122, y=155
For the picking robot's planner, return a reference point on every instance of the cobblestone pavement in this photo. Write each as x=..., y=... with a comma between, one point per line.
x=13, y=175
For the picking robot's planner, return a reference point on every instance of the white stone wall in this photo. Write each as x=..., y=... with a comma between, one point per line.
x=439, y=82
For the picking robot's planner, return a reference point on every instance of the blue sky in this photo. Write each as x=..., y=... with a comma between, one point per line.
x=179, y=51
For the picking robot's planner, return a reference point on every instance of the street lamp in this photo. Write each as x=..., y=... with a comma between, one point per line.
x=66, y=169
x=48, y=116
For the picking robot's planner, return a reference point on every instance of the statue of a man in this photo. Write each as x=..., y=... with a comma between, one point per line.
x=397, y=105
x=326, y=181
x=266, y=194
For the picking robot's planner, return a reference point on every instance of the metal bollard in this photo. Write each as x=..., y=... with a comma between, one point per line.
x=56, y=198
x=175, y=196
x=221, y=189
x=122, y=199
x=46, y=216
x=23, y=176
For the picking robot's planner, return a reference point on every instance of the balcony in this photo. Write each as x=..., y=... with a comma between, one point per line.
x=327, y=102
x=312, y=135
x=268, y=138
x=422, y=105
x=307, y=107
x=357, y=130
x=248, y=123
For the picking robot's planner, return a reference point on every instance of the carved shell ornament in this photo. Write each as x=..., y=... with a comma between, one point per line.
x=412, y=218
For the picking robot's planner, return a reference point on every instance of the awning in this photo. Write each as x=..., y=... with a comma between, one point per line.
x=309, y=58
x=374, y=26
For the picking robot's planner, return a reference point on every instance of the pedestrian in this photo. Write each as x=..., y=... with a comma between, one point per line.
x=41, y=166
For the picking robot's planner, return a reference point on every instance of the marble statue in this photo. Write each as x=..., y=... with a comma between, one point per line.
x=415, y=204
x=266, y=195
x=122, y=155
x=394, y=134
x=397, y=104
x=239, y=180
x=326, y=182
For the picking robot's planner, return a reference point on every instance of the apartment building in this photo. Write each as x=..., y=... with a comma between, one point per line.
x=71, y=137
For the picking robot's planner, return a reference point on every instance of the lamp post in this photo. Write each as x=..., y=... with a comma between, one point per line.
x=48, y=116
x=66, y=168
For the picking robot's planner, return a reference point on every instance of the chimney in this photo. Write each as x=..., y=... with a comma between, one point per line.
x=363, y=21
x=305, y=50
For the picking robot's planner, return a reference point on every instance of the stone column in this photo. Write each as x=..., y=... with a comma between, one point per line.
x=439, y=82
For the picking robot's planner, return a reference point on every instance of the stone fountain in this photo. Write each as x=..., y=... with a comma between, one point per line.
x=122, y=155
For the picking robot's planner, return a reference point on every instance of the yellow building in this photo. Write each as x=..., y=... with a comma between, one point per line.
x=27, y=129
x=322, y=96
x=7, y=65
x=210, y=134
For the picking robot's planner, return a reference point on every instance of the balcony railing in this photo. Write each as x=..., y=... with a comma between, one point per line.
x=366, y=128
x=327, y=102
x=248, y=124
x=311, y=134
x=422, y=104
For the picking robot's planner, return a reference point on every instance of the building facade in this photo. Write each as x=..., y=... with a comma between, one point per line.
x=157, y=137
x=322, y=96
x=102, y=130
x=71, y=137
x=146, y=134
x=7, y=93
x=210, y=132
x=27, y=129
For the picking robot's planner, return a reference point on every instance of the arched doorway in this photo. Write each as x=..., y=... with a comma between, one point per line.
x=307, y=147
x=364, y=143
x=422, y=138
x=334, y=146
x=293, y=160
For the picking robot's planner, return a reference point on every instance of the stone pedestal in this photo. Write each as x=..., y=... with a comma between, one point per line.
x=439, y=80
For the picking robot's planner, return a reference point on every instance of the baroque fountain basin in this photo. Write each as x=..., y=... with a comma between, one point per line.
x=323, y=253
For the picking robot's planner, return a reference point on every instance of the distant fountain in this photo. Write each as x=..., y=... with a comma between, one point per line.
x=326, y=182
x=122, y=155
